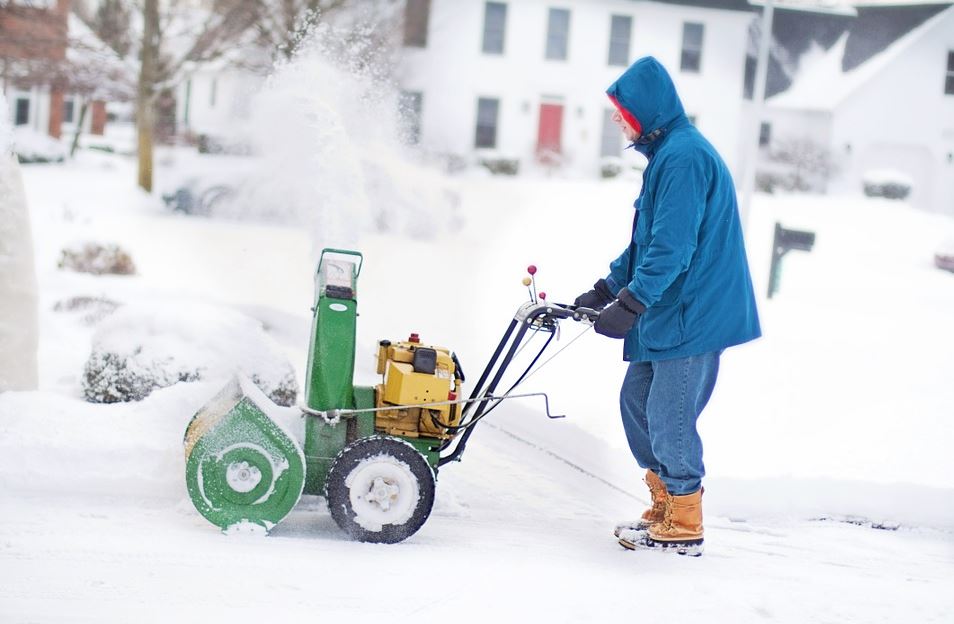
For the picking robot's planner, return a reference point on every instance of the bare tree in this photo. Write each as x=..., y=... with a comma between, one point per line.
x=176, y=35
x=283, y=24
x=94, y=71
x=145, y=91
x=111, y=24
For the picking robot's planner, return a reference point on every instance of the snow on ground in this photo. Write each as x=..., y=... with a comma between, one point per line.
x=841, y=412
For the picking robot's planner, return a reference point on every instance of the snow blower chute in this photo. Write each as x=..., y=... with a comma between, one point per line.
x=372, y=452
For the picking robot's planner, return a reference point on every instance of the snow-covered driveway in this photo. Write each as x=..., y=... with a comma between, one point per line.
x=517, y=535
x=805, y=425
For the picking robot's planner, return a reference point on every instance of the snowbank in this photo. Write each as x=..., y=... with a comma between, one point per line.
x=6, y=130
x=19, y=324
x=141, y=348
x=32, y=146
x=887, y=176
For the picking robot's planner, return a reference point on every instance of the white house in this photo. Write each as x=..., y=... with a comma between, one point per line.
x=213, y=98
x=894, y=110
x=525, y=79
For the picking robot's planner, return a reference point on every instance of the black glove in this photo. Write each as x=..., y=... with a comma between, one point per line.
x=595, y=299
x=616, y=320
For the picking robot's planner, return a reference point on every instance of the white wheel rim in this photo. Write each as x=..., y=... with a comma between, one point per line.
x=382, y=490
x=242, y=477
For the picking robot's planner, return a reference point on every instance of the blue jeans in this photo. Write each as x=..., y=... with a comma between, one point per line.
x=660, y=403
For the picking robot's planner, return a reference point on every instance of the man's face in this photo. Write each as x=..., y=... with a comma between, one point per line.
x=628, y=131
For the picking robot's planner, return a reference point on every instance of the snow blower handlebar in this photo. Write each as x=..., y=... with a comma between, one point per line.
x=531, y=316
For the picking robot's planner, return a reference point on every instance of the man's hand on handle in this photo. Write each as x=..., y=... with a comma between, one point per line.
x=620, y=316
x=596, y=299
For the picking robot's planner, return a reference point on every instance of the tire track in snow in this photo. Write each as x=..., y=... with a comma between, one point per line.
x=575, y=466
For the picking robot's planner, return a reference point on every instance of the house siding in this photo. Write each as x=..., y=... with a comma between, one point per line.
x=902, y=120
x=452, y=74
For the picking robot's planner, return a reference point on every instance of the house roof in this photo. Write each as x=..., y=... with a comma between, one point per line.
x=823, y=82
x=829, y=7
x=729, y=5
x=796, y=32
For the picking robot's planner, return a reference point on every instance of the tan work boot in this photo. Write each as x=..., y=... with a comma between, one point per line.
x=681, y=530
x=656, y=513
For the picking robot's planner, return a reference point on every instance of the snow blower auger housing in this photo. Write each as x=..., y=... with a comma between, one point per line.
x=372, y=452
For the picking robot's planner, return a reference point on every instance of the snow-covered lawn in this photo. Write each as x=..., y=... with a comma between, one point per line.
x=842, y=411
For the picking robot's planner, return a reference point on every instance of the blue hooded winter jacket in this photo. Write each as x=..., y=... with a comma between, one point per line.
x=686, y=261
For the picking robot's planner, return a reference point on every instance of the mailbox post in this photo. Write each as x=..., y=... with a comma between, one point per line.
x=785, y=241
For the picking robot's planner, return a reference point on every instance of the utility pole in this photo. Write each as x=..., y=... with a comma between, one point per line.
x=750, y=147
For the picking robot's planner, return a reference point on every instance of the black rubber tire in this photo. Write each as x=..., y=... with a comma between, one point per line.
x=394, y=452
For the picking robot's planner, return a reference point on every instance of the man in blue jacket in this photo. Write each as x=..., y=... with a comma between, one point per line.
x=678, y=295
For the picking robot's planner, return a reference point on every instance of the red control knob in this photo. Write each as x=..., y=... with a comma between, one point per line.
x=451, y=396
x=532, y=269
x=414, y=338
x=542, y=295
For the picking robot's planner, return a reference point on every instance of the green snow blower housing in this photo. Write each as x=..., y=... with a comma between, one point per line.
x=372, y=452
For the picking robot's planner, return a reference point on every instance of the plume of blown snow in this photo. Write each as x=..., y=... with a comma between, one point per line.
x=327, y=129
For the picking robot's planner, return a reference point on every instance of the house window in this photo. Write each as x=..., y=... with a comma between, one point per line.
x=411, y=115
x=22, y=112
x=611, y=139
x=416, y=17
x=765, y=134
x=949, y=82
x=558, y=34
x=620, y=28
x=691, y=47
x=69, y=108
x=487, y=110
x=495, y=25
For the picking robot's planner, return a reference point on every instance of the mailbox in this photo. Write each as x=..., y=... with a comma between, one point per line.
x=785, y=241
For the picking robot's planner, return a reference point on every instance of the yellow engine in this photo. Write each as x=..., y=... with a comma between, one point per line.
x=415, y=374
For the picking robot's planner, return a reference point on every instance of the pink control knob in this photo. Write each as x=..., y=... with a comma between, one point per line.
x=542, y=295
x=532, y=269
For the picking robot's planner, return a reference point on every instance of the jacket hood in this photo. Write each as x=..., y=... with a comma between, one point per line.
x=646, y=93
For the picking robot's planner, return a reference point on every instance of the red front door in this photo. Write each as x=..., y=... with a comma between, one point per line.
x=550, y=131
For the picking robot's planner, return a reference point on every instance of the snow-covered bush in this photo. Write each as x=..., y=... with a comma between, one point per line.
x=944, y=257
x=887, y=183
x=197, y=197
x=139, y=349
x=498, y=163
x=622, y=167
x=215, y=144
x=97, y=259
x=771, y=181
x=795, y=165
x=31, y=146
x=91, y=310
x=611, y=166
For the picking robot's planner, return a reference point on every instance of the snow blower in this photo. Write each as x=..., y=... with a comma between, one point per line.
x=372, y=452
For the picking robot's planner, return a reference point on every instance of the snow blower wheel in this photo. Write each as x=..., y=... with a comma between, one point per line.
x=380, y=489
